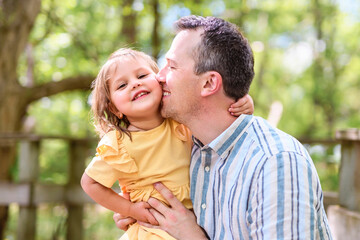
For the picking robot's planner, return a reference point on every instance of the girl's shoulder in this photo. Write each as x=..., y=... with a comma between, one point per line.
x=112, y=150
x=109, y=142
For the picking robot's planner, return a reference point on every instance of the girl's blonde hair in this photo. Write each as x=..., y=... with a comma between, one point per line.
x=104, y=119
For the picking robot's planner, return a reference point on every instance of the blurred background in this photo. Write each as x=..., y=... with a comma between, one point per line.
x=307, y=83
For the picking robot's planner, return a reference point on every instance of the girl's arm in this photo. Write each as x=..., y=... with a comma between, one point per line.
x=244, y=105
x=114, y=202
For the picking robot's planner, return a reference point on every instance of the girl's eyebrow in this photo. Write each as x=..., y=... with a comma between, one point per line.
x=121, y=78
x=116, y=81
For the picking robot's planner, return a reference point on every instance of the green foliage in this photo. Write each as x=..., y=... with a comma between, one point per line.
x=303, y=59
x=306, y=57
x=54, y=164
x=66, y=114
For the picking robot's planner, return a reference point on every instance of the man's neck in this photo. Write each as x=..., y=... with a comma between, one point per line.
x=209, y=125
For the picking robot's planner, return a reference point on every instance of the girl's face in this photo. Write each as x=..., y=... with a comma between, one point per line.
x=134, y=90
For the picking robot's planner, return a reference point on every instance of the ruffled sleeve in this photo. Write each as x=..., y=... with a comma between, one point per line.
x=181, y=131
x=112, y=150
x=111, y=160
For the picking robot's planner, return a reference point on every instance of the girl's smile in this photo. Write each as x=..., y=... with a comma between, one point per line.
x=134, y=90
x=140, y=94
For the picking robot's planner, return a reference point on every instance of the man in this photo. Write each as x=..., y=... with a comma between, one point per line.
x=248, y=179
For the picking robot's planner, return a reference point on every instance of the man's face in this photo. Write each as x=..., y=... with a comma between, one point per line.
x=180, y=84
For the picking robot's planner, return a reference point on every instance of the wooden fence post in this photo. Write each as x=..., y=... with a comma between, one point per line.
x=78, y=153
x=349, y=175
x=344, y=220
x=28, y=173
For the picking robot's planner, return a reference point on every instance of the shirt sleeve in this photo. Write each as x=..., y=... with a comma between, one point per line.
x=102, y=172
x=111, y=160
x=286, y=200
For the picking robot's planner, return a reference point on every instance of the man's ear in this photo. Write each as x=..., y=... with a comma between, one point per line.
x=212, y=83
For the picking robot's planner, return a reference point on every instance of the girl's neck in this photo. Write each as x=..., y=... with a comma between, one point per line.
x=137, y=125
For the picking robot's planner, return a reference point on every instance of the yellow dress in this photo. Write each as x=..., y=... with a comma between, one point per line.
x=161, y=154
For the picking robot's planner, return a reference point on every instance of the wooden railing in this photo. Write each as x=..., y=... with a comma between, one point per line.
x=28, y=192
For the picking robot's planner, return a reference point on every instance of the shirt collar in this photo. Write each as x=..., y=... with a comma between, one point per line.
x=226, y=140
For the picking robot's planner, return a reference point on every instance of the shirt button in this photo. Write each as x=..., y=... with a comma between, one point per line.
x=207, y=168
x=203, y=206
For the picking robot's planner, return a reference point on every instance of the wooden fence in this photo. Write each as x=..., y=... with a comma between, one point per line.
x=28, y=192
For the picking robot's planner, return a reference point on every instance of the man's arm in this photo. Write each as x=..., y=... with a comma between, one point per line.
x=176, y=220
x=286, y=200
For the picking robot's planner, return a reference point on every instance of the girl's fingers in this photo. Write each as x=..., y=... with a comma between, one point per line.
x=122, y=223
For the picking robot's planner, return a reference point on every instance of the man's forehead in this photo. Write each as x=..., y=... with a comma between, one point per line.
x=183, y=44
x=170, y=56
x=173, y=53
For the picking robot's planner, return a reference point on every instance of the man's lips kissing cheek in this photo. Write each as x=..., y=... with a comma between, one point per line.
x=166, y=93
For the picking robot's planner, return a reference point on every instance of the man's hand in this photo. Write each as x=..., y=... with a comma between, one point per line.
x=140, y=211
x=177, y=220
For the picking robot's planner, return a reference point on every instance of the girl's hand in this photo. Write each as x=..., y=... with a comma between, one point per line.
x=121, y=221
x=140, y=211
x=244, y=105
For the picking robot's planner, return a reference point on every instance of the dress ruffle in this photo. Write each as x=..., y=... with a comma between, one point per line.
x=112, y=150
x=144, y=193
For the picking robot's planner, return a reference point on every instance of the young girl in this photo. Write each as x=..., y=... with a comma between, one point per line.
x=138, y=147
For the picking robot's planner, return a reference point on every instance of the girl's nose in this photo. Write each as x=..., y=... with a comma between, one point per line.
x=137, y=84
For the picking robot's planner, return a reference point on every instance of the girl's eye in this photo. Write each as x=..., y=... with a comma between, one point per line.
x=142, y=76
x=122, y=85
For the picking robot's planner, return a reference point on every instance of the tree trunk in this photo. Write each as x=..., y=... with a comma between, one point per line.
x=17, y=18
x=16, y=21
x=128, y=29
x=155, y=41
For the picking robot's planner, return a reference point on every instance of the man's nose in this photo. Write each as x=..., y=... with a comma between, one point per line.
x=160, y=76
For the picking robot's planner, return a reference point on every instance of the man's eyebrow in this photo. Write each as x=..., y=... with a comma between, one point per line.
x=171, y=60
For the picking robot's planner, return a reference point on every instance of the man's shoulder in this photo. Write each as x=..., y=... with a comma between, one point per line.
x=273, y=140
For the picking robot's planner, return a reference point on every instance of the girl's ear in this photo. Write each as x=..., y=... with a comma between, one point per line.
x=114, y=110
x=212, y=83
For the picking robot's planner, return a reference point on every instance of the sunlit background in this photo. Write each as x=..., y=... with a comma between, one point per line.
x=307, y=81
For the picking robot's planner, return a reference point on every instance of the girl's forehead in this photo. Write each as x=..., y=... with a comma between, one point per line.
x=124, y=64
x=114, y=64
x=126, y=60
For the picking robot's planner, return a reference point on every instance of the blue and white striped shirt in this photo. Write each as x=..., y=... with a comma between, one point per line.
x=256, y=182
